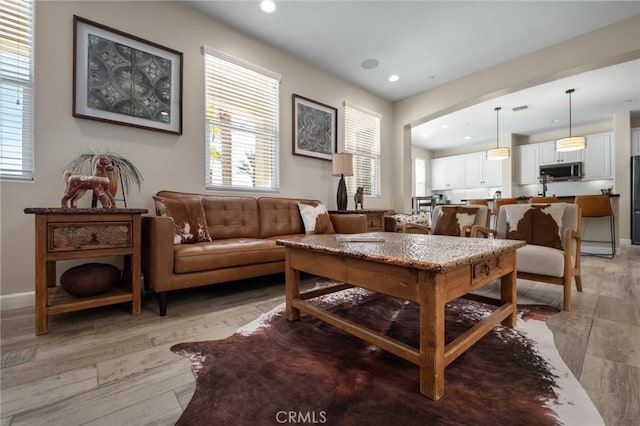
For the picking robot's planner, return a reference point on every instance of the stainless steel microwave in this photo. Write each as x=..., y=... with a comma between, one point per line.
x=562, y=171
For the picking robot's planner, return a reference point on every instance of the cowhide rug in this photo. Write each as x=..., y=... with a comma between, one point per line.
x=277, y=372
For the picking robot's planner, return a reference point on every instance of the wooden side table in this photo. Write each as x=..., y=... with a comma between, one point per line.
x=67, y=234
x=375, y=218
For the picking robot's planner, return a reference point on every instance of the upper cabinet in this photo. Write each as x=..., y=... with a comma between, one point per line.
x=447, y=173
x=635, y=142
x=527, y=164
x=597, y=157
x=549, y=155
x=465, y=171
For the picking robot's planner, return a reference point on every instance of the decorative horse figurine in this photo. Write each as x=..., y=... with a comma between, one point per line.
x=77, y=185
x=359, y=197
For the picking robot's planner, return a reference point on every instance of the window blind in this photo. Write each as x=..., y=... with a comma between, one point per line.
x=242, y=119
x=16, y=89
x=362, y=139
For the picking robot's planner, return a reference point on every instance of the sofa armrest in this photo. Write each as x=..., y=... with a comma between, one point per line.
x=157, y=251
x=349, y=223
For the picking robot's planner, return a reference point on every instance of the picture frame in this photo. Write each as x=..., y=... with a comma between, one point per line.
x=315, y=128
x=107, y=62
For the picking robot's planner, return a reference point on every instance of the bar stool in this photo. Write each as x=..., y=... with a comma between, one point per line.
x=481, y=202
x=598, y=206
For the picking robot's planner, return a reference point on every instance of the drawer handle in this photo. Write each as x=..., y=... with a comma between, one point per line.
x=486, y=269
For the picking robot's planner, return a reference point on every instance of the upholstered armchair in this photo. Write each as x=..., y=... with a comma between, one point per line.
x=552, y=233
x=452, y=220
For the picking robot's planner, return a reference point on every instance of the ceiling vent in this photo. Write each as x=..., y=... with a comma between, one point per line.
x=520, y=108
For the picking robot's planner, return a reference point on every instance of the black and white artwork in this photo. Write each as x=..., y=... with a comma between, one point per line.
x=314, y=128
x=122, y=79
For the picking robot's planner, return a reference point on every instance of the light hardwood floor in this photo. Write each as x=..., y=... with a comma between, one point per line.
x=106, y=367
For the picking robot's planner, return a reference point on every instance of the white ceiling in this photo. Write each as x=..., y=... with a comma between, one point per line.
x=430, y=43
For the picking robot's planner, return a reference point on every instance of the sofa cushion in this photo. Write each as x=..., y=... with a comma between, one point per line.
x=453, y=218
x=536, y=259
x=228, y=253
x=188, y=218
x=231, y=217
x=315, y=218
x=279, y=216
x=538, y=224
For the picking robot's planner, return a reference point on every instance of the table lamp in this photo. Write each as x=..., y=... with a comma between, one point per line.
x=342, y=166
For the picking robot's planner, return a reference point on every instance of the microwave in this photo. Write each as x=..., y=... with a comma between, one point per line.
x=562, y=171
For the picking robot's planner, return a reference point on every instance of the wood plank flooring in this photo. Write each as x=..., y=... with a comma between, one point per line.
x=106, y=367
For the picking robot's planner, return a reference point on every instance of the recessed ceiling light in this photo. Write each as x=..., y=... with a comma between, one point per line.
x=466, y=138
x=394, y=77
x=369, y=64
x=445, y=126
x=432, y=76
x=267, y=6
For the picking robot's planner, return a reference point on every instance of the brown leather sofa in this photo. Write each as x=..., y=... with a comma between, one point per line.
x=244, y=231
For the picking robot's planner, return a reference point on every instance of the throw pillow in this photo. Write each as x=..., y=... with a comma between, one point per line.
x=188, y=217
x=315, y=218
x=452, y=219
x=538, y=224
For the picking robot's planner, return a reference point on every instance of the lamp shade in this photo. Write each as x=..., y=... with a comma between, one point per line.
x=498, y=154
x=342, y=164
x=573, y=143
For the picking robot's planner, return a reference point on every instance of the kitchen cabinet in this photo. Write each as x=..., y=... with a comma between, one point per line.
x=527, y=164
x=480, y=172
x=549, y=155
x=635, y=142
x=597, y=157
x=447, y=173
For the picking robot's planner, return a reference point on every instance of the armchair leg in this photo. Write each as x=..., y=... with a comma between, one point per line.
x=567, y=293
x=578, y=282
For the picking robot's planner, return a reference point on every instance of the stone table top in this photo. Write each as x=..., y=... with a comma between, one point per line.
x=427, y=252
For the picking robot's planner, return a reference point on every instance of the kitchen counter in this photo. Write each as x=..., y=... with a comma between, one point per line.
x=563, y=198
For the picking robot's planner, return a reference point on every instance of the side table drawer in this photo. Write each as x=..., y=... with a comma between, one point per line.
x=89, y=235
x=374, y=223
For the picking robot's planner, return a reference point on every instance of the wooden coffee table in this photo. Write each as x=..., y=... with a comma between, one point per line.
x=425, y=269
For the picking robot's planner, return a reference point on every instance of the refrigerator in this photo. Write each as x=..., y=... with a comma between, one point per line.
x=635, y=200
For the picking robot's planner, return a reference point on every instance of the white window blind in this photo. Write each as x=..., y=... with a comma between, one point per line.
x=16, y=89
x=362, y=139
x=242, y=119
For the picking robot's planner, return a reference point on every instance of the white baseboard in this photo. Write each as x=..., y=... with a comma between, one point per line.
x=18, y=300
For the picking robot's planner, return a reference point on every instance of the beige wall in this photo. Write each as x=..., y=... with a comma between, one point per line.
x=613, y=44
x=166, y=161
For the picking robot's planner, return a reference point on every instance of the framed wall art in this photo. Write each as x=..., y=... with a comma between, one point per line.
x=315, y=128
x=120, y=78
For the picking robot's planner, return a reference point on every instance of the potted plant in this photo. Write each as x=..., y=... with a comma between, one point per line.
x=124, y=172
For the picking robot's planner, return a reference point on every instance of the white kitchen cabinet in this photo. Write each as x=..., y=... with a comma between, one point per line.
x=527, y=161
x=597, y=157
x=549, y=155
x=635, y=142
x=447, y=173
x=480, y=172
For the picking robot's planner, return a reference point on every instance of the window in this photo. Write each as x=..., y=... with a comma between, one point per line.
x=420, y=171
x=16, y=89
x=242, y=124
x=362, y=139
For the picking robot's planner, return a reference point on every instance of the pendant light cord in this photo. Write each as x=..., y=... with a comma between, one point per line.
x=570, y=91
x=497, y=109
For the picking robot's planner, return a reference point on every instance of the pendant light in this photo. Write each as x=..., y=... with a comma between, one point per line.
x=572, y=143
x=498, y=153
